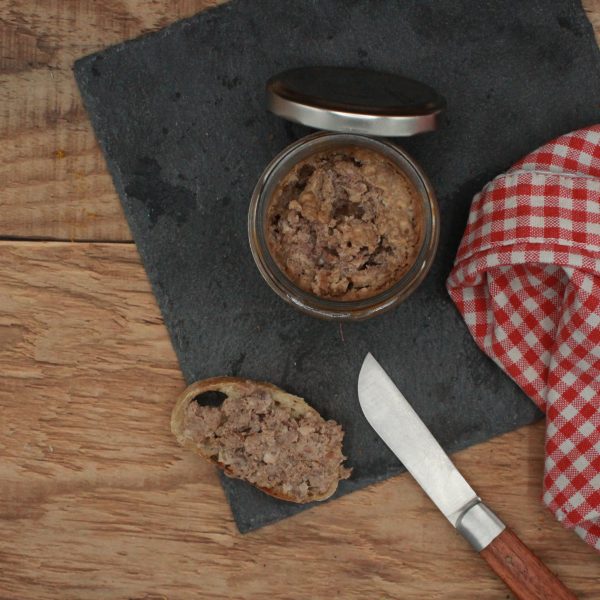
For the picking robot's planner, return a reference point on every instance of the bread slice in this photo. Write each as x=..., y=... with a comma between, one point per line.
x=239, y=390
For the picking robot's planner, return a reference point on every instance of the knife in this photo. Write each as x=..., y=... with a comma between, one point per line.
x=399, y=426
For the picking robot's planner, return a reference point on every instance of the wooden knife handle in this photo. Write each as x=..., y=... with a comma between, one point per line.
x=522, y=571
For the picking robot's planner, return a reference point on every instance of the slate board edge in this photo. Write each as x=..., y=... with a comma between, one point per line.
x=165, y=31
x=80, y=74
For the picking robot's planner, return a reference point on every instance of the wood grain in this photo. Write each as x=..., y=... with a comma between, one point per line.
x=98, y=501
x=53, y=179
x=522, y=571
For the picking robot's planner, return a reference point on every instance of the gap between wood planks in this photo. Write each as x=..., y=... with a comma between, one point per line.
x=46, y=240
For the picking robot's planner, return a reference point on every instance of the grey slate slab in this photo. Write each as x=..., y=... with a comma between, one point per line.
x=181, y=119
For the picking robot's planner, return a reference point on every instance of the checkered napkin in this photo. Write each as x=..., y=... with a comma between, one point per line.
x=527, y=282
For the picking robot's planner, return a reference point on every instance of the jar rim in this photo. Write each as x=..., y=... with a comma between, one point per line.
x=312, y=304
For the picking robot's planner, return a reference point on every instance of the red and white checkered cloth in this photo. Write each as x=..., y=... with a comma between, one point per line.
x=527, y=282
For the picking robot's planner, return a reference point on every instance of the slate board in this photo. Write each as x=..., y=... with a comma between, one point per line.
x=181, y=118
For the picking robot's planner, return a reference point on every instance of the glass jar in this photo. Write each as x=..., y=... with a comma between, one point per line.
x=309, y=303
x=354, y=107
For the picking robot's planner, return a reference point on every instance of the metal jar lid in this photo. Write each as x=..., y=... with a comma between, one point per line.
x=352, y=100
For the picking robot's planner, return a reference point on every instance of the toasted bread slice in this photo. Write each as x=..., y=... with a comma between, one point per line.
x=299, y=412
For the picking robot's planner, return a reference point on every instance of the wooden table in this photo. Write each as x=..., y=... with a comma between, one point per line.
x=96, y=499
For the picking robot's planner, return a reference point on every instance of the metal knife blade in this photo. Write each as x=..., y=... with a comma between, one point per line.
x=399, y=426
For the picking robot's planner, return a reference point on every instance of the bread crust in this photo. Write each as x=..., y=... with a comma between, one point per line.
x=237, y=387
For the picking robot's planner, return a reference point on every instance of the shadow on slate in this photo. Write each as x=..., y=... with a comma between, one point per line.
x=180, y=115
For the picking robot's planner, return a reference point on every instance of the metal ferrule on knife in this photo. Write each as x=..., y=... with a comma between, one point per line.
x=479, y=525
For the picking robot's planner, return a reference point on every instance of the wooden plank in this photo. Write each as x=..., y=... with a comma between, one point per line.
x=53, y=178
x=98, y=501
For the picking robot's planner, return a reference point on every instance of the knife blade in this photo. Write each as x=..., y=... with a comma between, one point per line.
x=399, y=426
x=389, y=413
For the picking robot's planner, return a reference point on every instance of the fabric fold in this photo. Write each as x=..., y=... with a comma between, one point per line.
x=527, y=281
